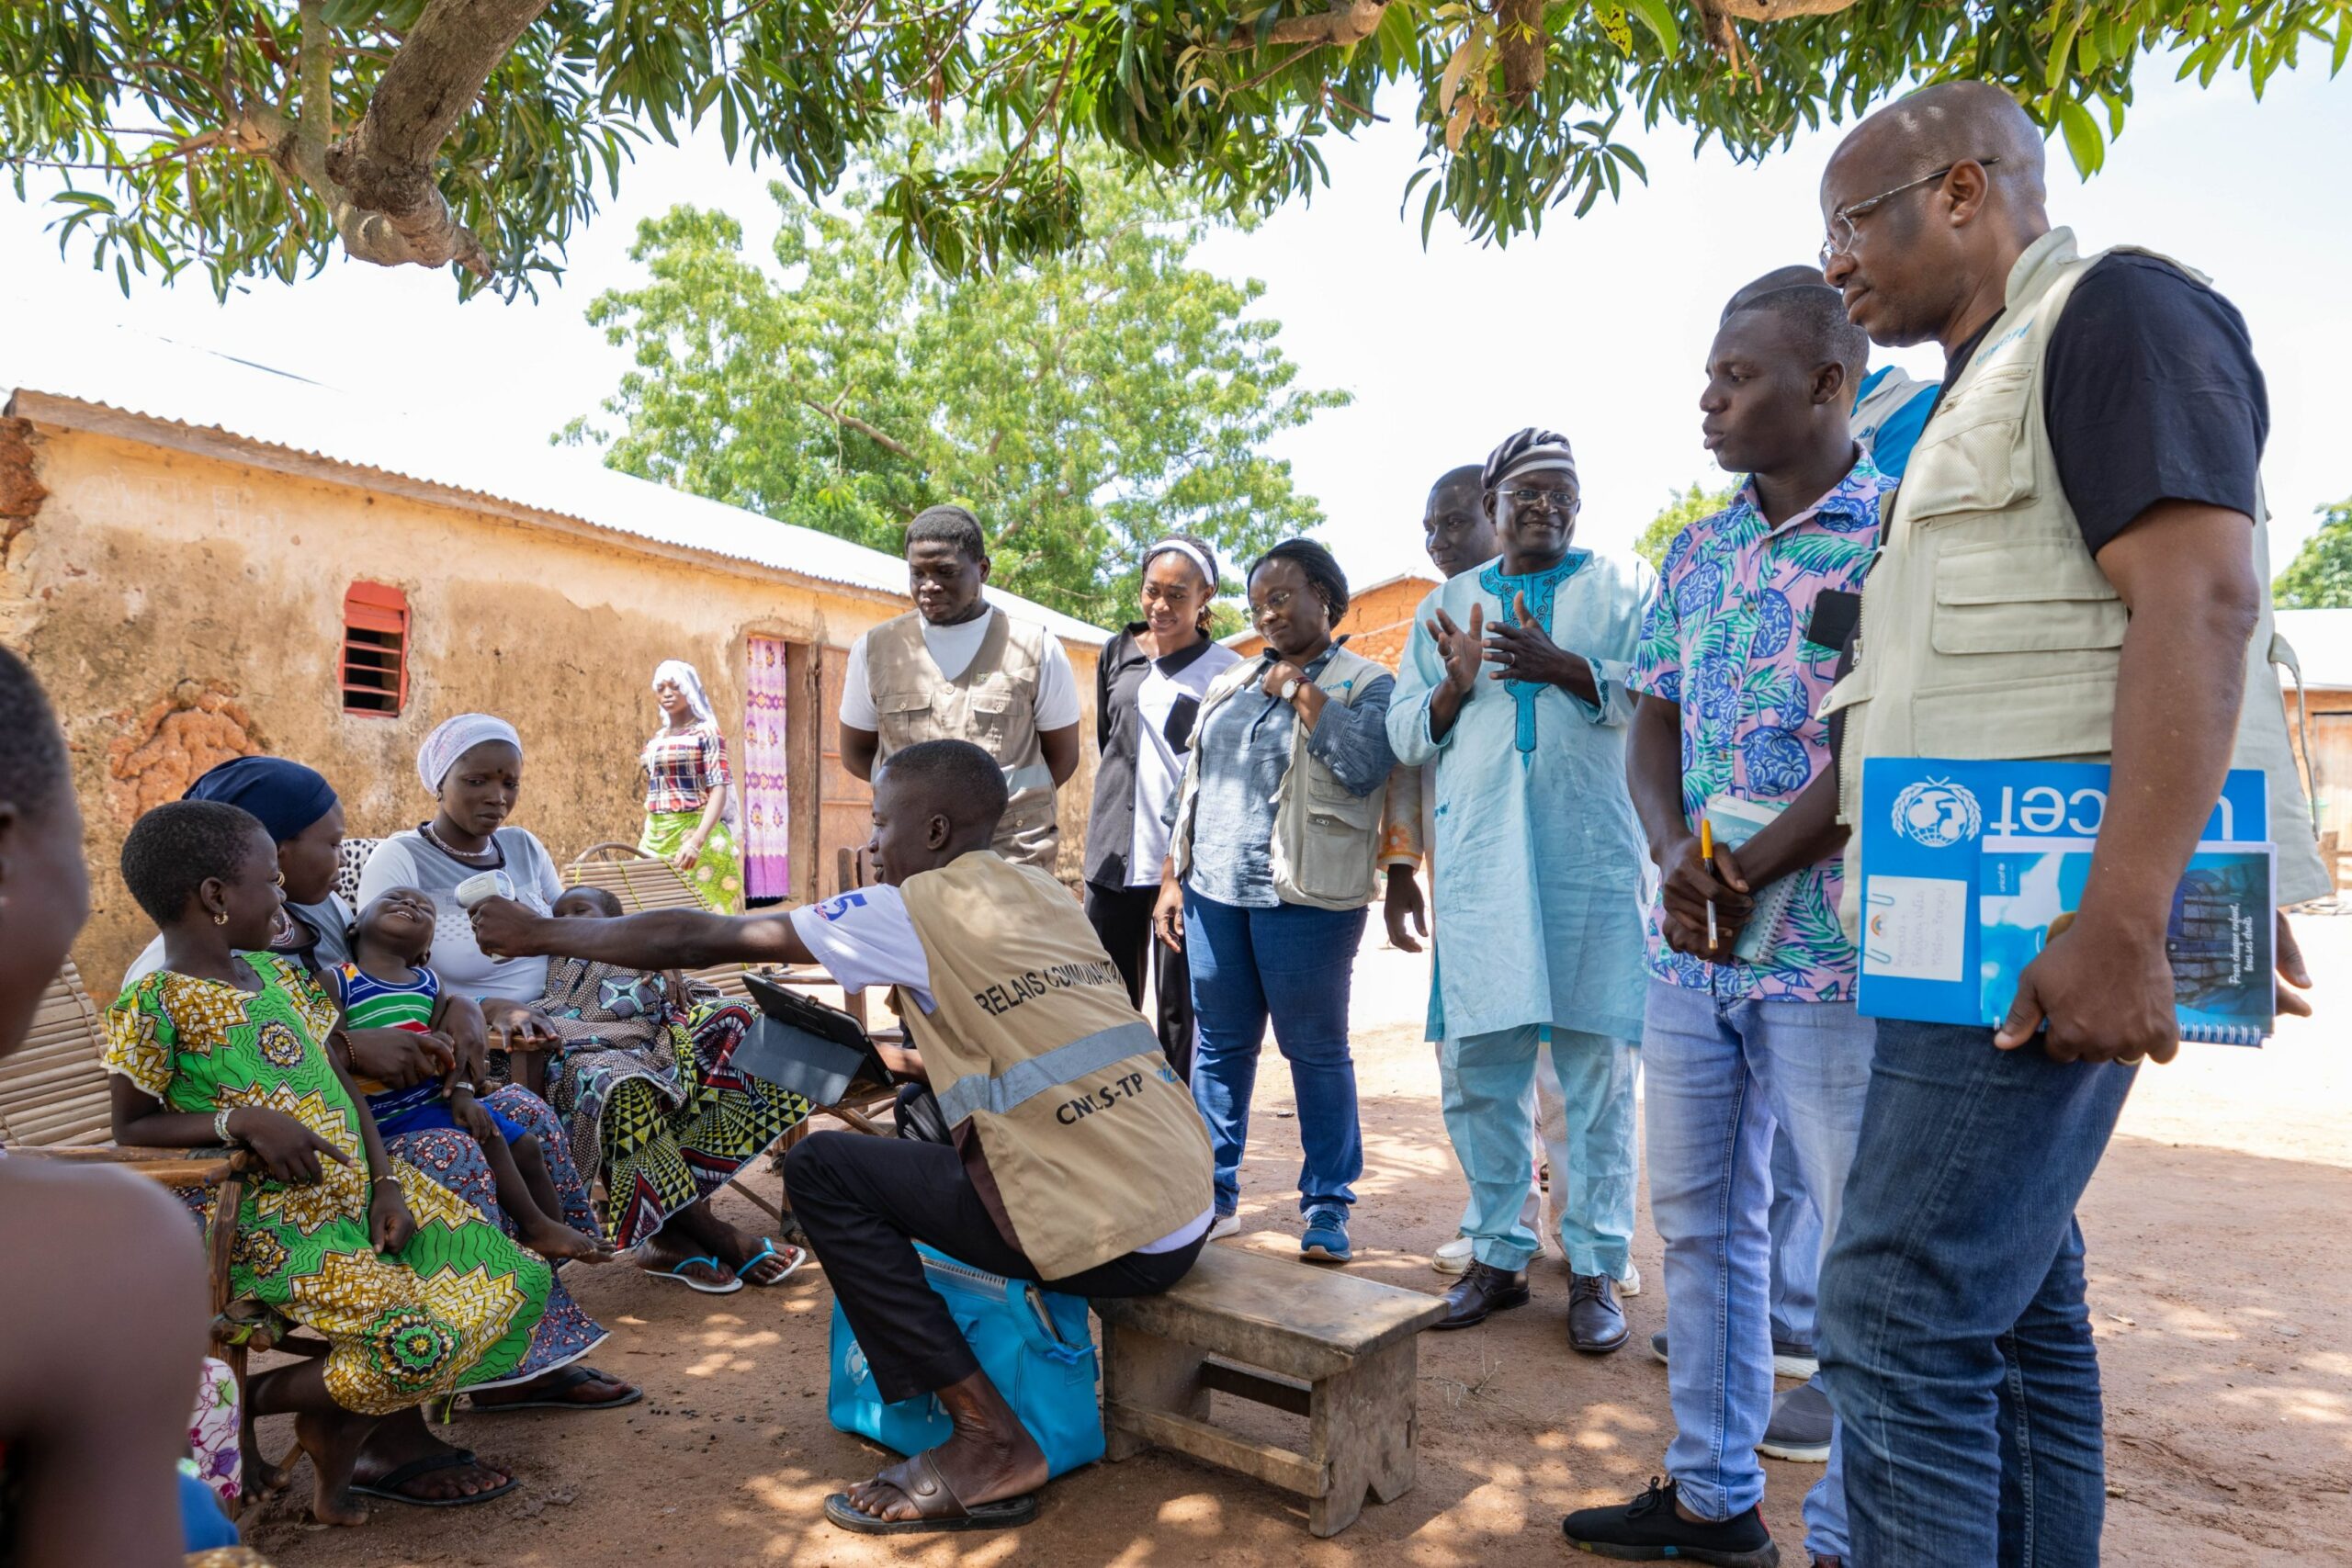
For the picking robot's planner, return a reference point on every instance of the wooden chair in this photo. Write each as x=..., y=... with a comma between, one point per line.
x=54, y=1104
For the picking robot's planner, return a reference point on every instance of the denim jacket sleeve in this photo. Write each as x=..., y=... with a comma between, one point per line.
x=1351, y=740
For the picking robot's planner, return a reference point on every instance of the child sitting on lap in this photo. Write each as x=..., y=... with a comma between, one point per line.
x=416, y=1293
x=387, y=985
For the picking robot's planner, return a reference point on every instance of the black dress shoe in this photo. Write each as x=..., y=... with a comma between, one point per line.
x=1483, y=1290
x=1596, y=1322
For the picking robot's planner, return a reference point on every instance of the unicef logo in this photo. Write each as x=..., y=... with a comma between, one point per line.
x=1938, y=813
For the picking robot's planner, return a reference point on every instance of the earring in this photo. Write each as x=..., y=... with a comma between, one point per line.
x=220, y=917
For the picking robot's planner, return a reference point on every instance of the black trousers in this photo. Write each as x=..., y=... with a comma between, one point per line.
x=864, y=1202
x=1121, y=920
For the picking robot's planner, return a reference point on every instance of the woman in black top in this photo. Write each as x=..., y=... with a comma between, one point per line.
x=1148, y=689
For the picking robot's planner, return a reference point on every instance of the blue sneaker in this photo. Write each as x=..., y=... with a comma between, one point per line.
x=1326, y=1240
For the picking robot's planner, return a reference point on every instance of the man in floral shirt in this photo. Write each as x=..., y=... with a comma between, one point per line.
x=1732, y=668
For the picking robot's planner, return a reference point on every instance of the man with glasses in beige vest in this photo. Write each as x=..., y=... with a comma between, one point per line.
x=2074, y=567
x=956, y=669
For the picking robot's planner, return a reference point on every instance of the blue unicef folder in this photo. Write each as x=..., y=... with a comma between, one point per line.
x=1923, y=824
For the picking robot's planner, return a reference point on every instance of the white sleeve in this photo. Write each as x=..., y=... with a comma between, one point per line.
x=857, y=702
x=545, y=879
x=1057, y=687
x=864, y=939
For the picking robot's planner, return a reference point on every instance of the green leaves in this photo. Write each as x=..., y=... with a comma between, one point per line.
x=177, y=113
x=2320, y=577
x=1083, y=404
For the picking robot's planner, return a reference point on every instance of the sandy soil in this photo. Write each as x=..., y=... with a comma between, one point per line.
x=2218, y=1281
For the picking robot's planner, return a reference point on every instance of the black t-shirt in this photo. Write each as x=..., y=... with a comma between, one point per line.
x=2150, y=393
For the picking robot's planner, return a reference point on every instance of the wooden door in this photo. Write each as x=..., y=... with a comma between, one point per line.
x=845, y=801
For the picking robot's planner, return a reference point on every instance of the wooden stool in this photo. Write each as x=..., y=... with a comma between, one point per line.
x=1333, y=1347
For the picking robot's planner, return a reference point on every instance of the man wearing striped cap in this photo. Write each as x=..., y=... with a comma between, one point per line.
x=1513, y=684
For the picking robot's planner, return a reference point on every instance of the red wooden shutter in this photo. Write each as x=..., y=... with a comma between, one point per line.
x=375, y=651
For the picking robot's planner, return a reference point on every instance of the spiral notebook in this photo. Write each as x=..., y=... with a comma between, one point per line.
x=1735, y=821
x=2219, y=936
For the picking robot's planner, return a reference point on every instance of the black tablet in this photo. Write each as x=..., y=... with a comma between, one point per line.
x=799, y=1044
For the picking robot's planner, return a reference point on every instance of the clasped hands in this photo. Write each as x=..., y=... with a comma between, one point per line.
x=1520, y=651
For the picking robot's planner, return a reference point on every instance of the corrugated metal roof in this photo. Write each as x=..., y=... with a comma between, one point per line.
x=173, y=383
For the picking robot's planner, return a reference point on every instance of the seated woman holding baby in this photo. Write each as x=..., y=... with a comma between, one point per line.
x=642, y=1077
x=415, y=1292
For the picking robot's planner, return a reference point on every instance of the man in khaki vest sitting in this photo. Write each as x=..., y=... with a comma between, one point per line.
x=955, y=669
x=2071, y=569
x=1076, y=1159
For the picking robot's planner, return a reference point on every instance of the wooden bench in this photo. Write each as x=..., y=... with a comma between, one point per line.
x=1331, y=1346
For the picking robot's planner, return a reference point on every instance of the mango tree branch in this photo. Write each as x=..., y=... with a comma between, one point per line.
x=850, y=422
x=393, y=212
x=1347, y=22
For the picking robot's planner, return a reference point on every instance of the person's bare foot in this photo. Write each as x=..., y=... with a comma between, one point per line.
x=332, y=1443
x=665, y=1253
x=589, y=1393
x=403, y=1440
x=554, y=1240
x=992, y=1457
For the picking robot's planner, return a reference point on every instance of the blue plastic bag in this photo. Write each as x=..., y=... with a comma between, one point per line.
x=1033, y=1344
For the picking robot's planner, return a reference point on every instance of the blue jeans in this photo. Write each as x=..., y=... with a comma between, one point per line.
x=1721, y=1075
x=1797, y=1243
x=1291, y=965
x=1489, y=1103
x=1953, y=1334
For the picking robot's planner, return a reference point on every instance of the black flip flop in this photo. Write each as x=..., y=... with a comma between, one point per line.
x=387, y=1486
x=567, y=1380
x=930, y=1491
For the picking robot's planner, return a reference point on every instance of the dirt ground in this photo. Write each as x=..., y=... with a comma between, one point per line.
x=2218, y=1282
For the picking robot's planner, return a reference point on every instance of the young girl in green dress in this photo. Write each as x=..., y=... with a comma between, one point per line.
x=416, y=1293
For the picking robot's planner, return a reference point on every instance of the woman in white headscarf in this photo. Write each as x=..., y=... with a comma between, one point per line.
x=688, y=794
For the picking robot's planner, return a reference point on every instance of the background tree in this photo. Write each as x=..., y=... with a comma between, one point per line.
x=2320, y=577
x=257, y=137
x=1083, y=406
x=1687, y=507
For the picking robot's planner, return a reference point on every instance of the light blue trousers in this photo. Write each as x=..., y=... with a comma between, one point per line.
x=1490, y=1115
x=1723, y=1076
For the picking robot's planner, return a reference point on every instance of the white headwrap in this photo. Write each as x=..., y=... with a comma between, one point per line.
x=1530, y=449
x=453, y=738
x=1190, y=552
x=689, y=681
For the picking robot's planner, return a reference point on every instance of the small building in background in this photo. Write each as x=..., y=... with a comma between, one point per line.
x=206, y=558
x=1378, y=623
x=2320, y=722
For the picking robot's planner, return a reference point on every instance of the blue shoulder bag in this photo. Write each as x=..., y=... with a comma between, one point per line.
x=1033, y=1344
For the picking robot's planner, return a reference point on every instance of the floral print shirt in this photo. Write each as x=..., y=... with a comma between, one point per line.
x=1727, y=640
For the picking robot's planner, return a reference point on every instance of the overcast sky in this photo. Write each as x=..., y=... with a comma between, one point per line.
x=1596, y=327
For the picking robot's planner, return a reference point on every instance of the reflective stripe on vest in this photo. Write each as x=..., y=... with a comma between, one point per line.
x=1064, y=1064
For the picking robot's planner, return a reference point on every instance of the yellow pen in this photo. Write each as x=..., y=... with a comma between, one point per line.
x=1707, y=853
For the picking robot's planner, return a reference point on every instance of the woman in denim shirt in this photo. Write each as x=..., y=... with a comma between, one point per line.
x=1268, y=876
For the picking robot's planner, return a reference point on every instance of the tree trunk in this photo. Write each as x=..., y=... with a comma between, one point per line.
x=384, y=169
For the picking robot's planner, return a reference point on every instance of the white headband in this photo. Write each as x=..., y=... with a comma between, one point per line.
x=453, y=738
x=1190, y=552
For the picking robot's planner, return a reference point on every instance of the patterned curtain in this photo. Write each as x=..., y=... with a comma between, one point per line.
x=767, y=816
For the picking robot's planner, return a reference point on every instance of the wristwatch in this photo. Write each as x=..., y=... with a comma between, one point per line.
x=1290, y=688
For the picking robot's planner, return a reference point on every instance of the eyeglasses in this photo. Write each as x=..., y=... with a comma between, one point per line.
x=1840, y=240
x=1557, y=499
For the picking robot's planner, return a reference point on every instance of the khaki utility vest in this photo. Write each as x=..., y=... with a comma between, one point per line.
x=1093, y=1142
x=1987, y=629
x=1327, y=840
x=993, y=705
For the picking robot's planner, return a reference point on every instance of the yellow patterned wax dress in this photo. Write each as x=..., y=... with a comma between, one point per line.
x=453, y=1309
